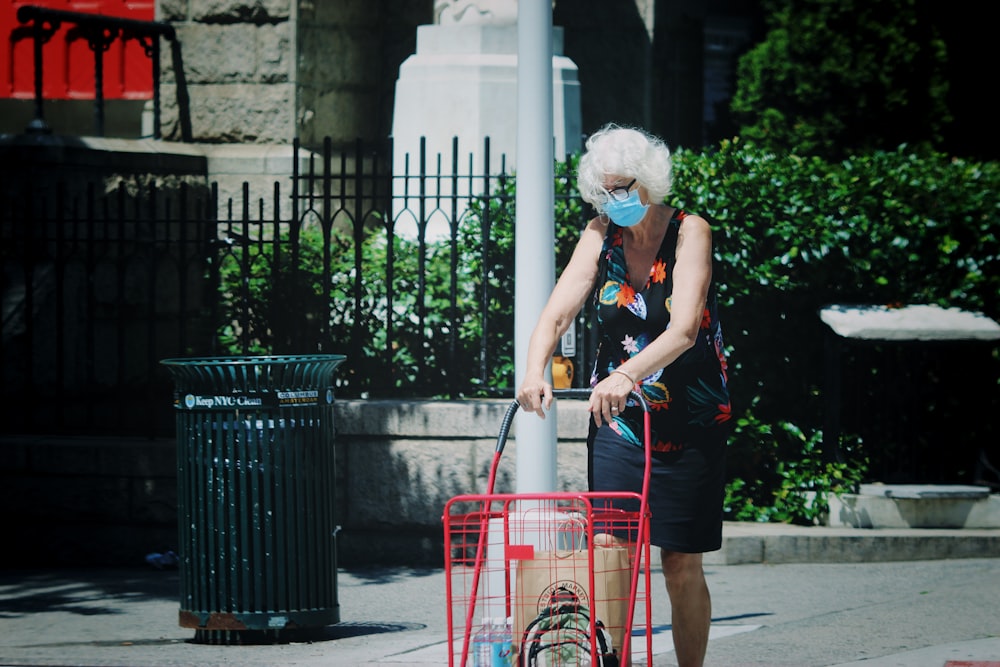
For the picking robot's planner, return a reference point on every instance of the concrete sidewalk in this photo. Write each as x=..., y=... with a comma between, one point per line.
x=782, y=596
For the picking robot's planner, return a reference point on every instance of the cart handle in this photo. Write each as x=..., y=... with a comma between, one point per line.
x=508, y=418
x=505, y=425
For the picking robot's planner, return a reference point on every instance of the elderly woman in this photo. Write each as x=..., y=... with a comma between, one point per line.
x=648, y=267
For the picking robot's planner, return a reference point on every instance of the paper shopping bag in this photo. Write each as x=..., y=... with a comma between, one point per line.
x=558, y=576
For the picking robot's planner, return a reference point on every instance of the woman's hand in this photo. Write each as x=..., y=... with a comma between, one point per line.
x=535, y=395
x=608, y=398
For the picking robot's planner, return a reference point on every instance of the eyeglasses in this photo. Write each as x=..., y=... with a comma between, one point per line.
x=621, y=192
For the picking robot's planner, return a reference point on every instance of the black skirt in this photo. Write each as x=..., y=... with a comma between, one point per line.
x=686, y=488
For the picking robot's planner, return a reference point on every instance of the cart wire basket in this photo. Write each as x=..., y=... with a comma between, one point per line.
x=575, y=564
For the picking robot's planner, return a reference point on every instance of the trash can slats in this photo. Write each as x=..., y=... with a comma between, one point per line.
x=256, y=475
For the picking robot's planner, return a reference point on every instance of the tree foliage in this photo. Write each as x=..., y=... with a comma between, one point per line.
x=836, y=77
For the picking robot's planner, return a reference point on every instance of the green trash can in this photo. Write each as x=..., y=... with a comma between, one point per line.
x=255, y=497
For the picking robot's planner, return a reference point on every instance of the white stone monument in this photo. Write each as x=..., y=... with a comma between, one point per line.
x=462, y=82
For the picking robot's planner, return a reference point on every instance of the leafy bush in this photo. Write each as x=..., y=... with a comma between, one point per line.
x=272, y=305
x=792, y=479
x=795, y=234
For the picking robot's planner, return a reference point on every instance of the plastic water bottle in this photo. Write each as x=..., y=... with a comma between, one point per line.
x=503, y=644
x=482, y=644
x=493, y=643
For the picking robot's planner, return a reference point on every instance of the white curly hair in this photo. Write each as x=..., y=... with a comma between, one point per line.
x=627, y=152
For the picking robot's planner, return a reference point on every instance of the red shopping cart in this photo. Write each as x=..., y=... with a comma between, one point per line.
x=563, y=572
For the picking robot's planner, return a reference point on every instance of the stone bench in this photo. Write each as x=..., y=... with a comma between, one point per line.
x=916, y=506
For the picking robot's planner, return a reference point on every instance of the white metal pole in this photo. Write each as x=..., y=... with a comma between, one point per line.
x=534, y=239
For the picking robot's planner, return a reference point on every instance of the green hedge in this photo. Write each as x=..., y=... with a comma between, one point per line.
x=795, y=234
x=871, y=229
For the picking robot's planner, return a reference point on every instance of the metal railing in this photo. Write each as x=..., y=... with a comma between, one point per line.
x=412, y=284
x=99, y=31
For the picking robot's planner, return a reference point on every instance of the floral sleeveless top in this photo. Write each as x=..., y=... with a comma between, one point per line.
x=689, y=400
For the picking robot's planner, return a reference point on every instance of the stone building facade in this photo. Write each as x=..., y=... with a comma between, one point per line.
x=266, y=71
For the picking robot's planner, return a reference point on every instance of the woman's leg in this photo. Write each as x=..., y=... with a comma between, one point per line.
x=690, y=605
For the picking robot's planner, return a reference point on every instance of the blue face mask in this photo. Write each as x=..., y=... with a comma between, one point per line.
x=627, y=212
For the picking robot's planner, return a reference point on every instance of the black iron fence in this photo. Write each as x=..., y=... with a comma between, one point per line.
x=409, y=274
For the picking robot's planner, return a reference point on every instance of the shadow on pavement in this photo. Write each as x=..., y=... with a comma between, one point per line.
x=85, y=592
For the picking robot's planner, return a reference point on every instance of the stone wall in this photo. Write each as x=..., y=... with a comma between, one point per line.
x=106, y=501
x=238, y=69
x=399, y=462
x=266, y=71
x=349, y=53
